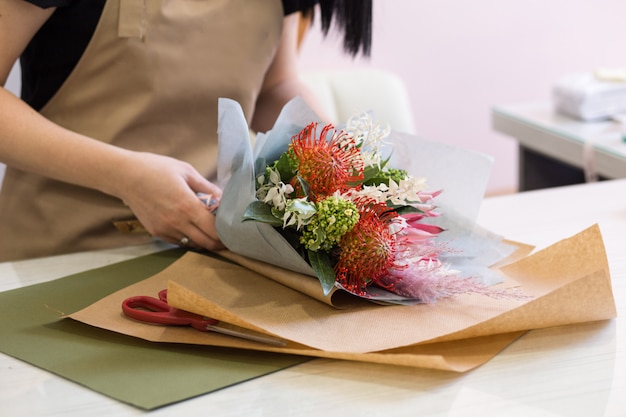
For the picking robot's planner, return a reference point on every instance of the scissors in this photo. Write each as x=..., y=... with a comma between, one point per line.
x=158, y=311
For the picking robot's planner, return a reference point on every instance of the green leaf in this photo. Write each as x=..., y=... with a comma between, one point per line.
x=258, y=211
x=406, y=209
x=369, y=173
x=384, y=163
x=305, y=208
x=320, y=262
x=284, y=165
x=304, y=185
x=372, y=175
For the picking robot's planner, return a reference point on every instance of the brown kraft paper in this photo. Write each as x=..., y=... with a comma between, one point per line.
x=566, y=283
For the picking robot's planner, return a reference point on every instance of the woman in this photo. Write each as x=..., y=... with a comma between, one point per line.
x=119, y=111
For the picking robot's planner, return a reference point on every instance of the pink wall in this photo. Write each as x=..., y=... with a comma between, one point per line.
x=459, y=58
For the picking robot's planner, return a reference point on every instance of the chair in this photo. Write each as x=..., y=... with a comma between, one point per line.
x=344, y=93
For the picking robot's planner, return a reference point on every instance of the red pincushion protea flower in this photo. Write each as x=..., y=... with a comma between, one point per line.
x=327, y=165
x=368, y=250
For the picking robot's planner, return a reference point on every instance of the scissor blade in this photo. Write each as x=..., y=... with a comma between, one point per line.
x=245, y=335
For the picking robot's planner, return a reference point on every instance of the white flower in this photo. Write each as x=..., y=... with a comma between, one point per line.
x=407, y=190
x=299, y=212
x=369, y=136
x=376, y=193
x=275, y=192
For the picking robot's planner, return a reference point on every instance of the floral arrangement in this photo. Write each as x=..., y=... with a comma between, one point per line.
x=358, y=222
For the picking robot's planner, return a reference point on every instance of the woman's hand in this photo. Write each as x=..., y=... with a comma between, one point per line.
x=162, y=193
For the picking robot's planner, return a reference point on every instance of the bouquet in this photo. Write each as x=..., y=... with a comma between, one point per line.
x=327, y=202
x=568, y=282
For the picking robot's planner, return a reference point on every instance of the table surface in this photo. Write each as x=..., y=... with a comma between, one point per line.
x=577, y=370
x=537, y=126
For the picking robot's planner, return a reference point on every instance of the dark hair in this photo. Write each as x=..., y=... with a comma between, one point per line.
x=353, y=18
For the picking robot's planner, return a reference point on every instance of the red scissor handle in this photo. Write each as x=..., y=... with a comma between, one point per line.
x=157, y=311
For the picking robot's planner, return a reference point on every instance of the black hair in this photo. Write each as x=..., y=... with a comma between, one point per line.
x=354, y=19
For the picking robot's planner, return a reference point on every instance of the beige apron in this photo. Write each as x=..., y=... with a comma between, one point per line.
x=149, y=80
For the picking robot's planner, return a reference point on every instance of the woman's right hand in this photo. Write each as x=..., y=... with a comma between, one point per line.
x=162, y=193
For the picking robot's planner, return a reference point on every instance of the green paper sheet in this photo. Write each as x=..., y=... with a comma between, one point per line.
x=144, y=374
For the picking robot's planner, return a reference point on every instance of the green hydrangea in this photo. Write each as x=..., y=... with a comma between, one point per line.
x=334, y=217
x=383, y=176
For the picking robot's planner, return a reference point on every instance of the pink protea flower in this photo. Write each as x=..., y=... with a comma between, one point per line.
x=327, y=165
x=416, y=230
x=368, y=250
x=417, y=272
x=428, y=281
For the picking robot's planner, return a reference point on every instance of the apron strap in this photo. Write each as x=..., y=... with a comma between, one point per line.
x=131, y=19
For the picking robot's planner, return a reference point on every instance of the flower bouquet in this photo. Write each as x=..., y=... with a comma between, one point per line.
x=276, y=291
x=334, y=203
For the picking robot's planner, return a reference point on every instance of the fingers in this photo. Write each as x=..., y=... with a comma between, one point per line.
x=169, y=206
x=190, y=222
x=200, y=231
x=201, y=185
x=195, y=238
x=204, y=228
x=210, y=201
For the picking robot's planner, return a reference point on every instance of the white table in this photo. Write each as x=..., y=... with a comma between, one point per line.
x=557, y=150
x=568, y=371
